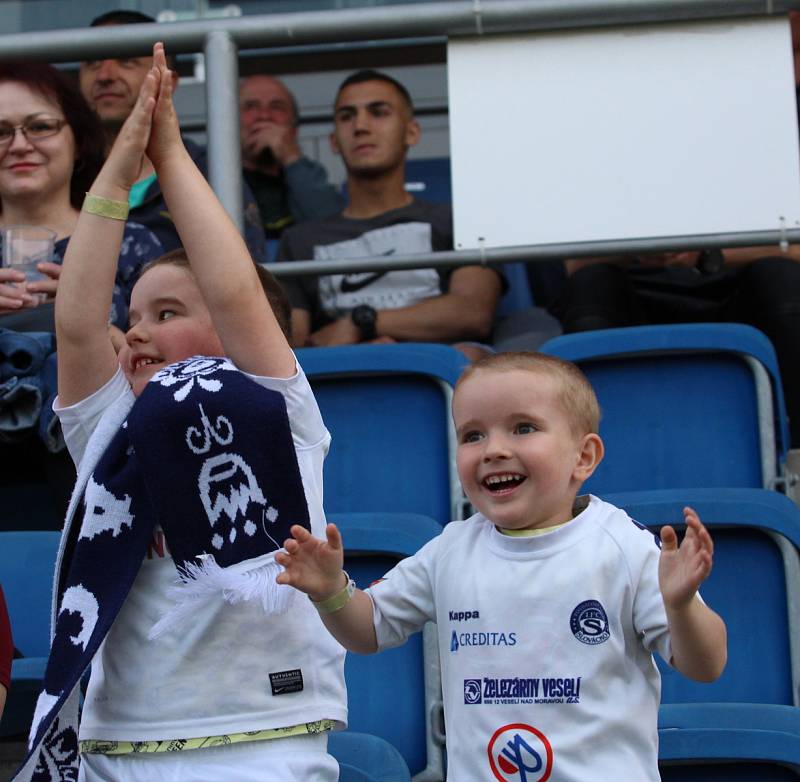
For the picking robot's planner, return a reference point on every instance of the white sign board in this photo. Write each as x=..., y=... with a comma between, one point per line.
x=646, y=131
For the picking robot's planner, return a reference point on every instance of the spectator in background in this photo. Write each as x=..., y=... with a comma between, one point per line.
x=374, y=127
x=111, y=86
x=48, y=159
x=49, y=155
x=288, y=187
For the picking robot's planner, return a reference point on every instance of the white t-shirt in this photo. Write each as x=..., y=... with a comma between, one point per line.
x=228, y=671
x=545, y=645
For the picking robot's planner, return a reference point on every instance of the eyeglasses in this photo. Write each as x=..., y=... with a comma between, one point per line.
x=33, y=129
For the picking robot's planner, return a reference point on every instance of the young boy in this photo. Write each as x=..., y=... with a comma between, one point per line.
x=548, y=605
x=225, y=690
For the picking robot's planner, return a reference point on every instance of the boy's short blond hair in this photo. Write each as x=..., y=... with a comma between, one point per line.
x=576, y=394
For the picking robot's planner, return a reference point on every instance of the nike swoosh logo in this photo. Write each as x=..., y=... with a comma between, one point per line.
x=349, y=285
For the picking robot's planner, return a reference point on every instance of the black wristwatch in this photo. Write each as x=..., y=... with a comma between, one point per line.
x=364, y=318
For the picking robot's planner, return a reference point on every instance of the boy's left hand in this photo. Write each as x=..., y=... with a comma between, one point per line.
x=682, y=569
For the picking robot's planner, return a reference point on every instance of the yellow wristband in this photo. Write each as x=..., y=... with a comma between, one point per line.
x=339, y=600
x=106, y=207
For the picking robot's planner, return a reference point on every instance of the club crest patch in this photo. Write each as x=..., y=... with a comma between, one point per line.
x=589, y=623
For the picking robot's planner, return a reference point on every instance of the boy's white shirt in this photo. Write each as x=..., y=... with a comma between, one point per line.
x=507, y=610
x=214, y=677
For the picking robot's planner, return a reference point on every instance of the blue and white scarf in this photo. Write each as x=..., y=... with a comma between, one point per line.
x=207, y=454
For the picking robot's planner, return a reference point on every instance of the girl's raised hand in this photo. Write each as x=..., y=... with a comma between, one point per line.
x=165, y=137
x=124, y=163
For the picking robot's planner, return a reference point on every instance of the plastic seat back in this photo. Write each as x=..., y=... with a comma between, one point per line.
x=754, y=586
x=27, y=562
x=388, y=410
x=388, y=694
x=683, y=406
x=364, y=757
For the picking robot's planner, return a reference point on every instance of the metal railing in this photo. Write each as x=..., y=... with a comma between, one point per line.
x=221, y=40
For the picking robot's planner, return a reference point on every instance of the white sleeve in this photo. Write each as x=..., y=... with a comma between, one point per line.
x=78, y=421
x=305, y=419
x=649, y=614
x=311, y=439
x=404, y=599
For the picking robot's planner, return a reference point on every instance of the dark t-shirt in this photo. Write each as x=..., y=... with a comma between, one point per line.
x=272, y=199
x=419, y=227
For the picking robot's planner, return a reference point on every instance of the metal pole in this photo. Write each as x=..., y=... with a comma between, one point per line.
x=539, y=252
x=454, y=18
x=222, y=101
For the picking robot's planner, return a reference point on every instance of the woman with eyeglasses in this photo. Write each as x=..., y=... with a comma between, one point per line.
x=51, y=149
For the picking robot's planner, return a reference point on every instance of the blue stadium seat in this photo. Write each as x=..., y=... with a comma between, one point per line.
x=518, y=296
x=393, y=694
x=27, y=562
x=746, y=725
x=754, y=585
x=429, y=179
x=683, y=405
x=364, y=757
x=723, y=742
x=388, y=410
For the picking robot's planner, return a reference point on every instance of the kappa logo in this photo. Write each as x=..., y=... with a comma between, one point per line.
x=463, y=616
x=589, y=623
x=520, y=753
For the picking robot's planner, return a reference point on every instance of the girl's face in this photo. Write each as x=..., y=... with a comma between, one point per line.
x=169, y=321
x=39, y=167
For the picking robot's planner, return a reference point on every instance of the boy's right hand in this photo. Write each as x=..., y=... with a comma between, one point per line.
x=312, y=565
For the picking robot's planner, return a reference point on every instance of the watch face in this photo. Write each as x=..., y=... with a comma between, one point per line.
x=364, y=318
x=363, y=314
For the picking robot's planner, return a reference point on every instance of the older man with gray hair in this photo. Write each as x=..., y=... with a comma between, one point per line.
x=289, y=188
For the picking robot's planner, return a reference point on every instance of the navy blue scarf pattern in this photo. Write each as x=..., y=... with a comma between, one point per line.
x=206, y=453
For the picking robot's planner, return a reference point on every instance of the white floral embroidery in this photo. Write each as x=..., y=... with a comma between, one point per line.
x=189, y=370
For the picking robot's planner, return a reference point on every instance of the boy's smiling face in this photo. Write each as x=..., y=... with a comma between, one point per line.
x=169, y=321
x=519, y=460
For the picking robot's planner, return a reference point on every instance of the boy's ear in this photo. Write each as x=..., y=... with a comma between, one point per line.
x=334, y=144
x=590, y=454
